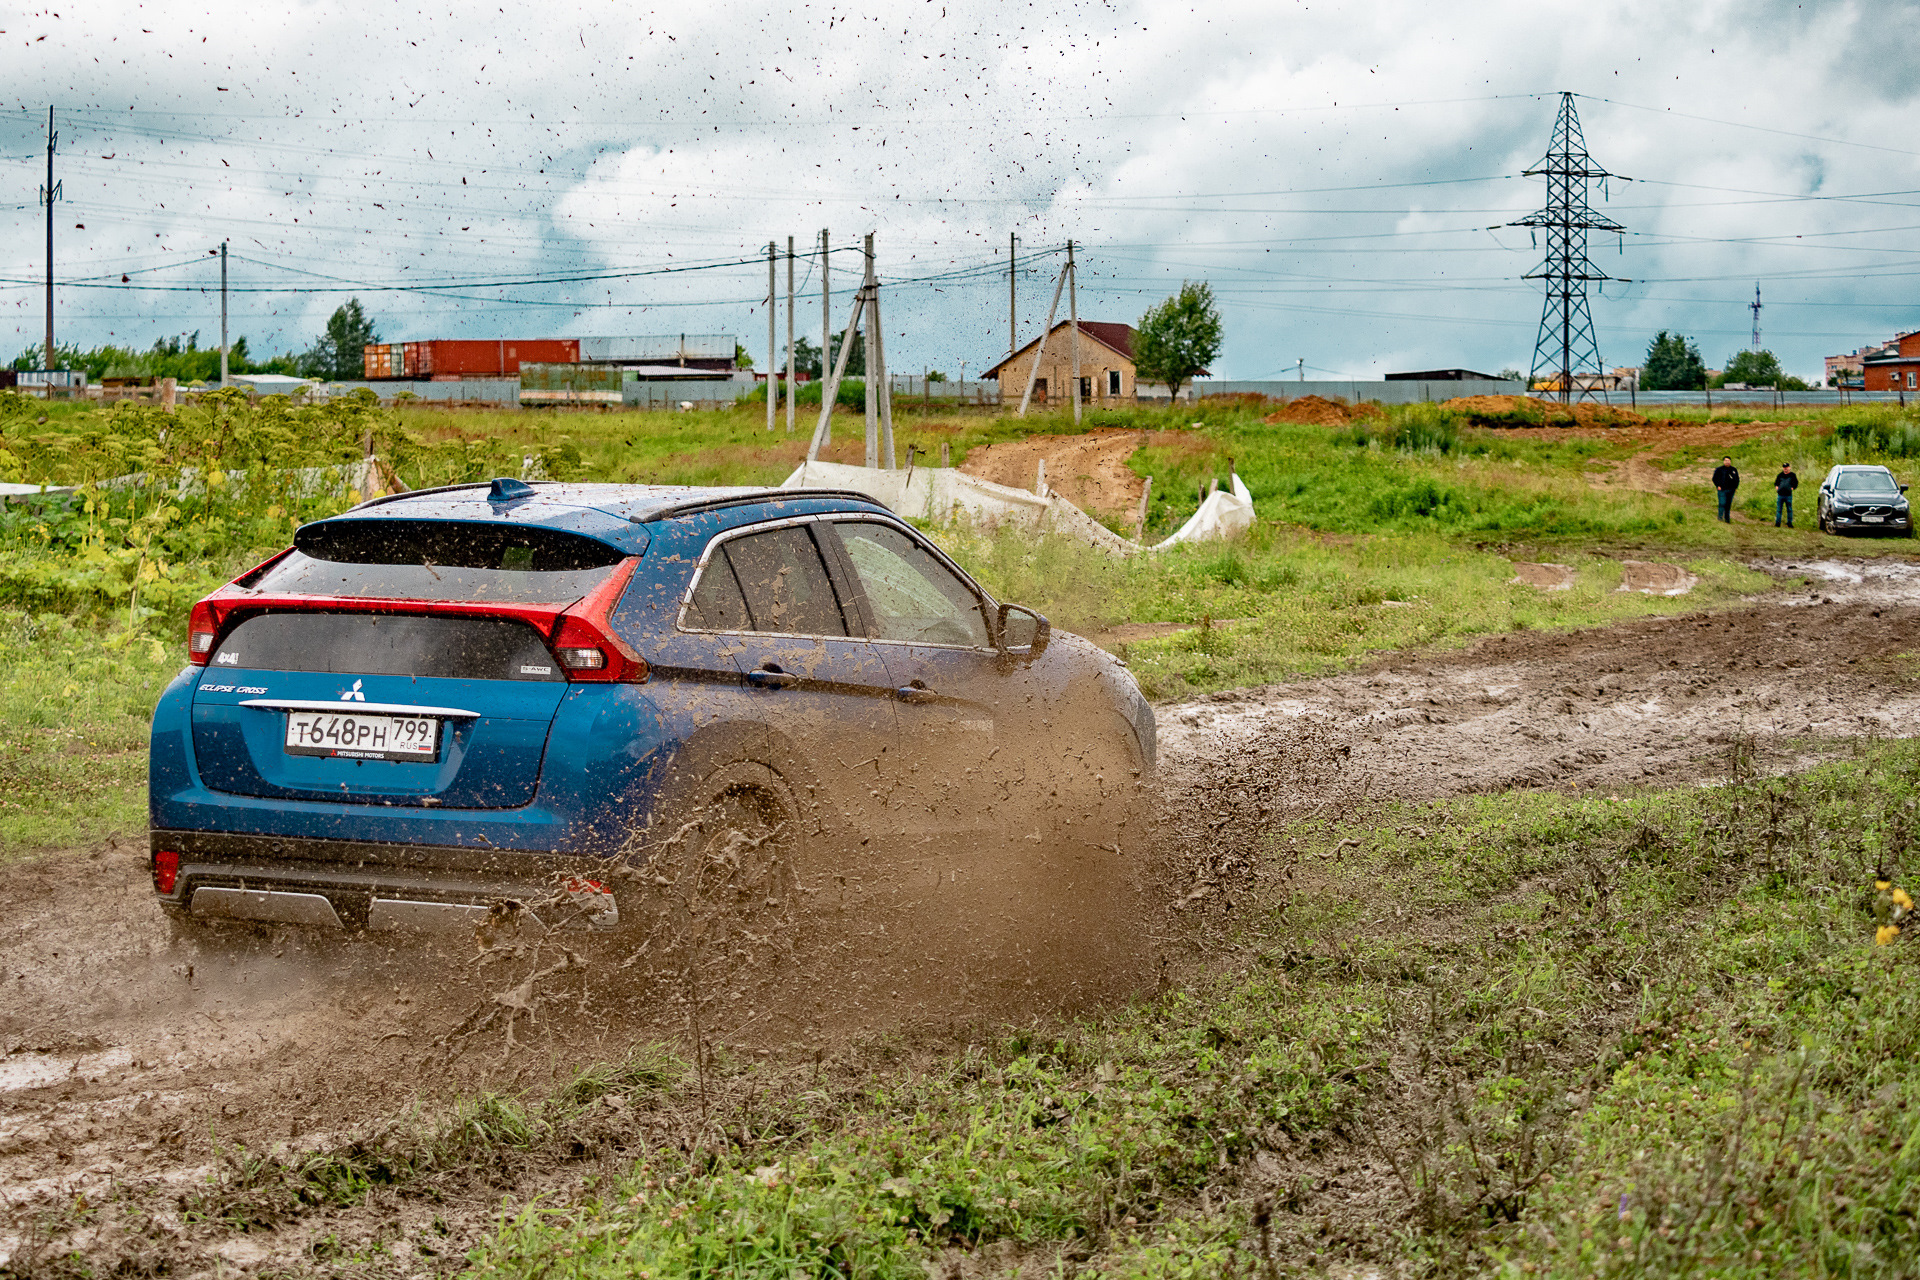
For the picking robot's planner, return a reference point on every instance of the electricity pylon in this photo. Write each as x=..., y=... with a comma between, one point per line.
x=1567, y=344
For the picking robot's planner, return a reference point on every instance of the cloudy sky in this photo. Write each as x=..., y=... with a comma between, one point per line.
x=1341, y=173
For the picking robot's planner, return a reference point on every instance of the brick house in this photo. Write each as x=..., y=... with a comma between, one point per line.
x=1895, y=367
x=1106, y=366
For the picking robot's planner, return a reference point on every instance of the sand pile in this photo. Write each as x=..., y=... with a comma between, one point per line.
x=1318, y=411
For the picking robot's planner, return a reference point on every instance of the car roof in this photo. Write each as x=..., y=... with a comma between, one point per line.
x=612, y=513
x=1844, y=468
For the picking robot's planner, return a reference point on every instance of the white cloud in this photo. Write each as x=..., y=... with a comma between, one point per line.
x=469, y=142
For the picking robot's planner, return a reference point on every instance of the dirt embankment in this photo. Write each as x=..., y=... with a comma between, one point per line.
x=1090, y=470
x=1318, y=411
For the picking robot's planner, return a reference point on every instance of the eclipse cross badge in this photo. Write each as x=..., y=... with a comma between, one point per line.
x=353, y=694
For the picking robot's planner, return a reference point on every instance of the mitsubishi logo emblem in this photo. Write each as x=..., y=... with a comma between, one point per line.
x=353, y=694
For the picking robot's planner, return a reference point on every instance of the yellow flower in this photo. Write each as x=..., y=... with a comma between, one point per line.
x=1885, y=933
x=1883, y=885
x=1901, y=900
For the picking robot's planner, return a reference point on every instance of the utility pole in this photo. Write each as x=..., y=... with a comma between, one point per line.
x=773, y=339
x=223, y=313
x=1567, y=338
x=49, y=194
x=1754, y=307
x=1013, y=311
x=1303, y=368
x=824, y=432
x=790, y=382
x=1073, y=321
x=873, y=392
x=877, y=363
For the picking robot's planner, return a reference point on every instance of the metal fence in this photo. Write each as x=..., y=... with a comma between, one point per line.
x=1354, y=392
x=504, y=392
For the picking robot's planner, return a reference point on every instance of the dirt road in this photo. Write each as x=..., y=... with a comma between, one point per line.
x=129, y=1064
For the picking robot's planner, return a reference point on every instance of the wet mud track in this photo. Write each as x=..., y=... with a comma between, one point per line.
x=1649, y=703
x=132, y=1065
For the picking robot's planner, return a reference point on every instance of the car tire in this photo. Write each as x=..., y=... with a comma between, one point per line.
x=714, y=875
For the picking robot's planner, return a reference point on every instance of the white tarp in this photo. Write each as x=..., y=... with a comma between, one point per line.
x=1223, y=515
x=941, y=494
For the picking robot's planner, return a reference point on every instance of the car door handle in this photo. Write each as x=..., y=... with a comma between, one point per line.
x=915, y=693
x=772, y=677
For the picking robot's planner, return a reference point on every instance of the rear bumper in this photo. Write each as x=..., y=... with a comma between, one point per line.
x=357, y=885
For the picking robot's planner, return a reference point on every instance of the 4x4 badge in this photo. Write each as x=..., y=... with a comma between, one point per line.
x=353, y=694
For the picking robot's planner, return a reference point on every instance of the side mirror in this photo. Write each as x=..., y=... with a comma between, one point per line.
x=1903, y=488
x=1023, y=632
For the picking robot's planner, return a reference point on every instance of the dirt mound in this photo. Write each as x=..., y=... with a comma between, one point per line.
x=1531, y=411
x=1090, y=470
x=1318, y=411
x=1547, y=577
x=1655, y=579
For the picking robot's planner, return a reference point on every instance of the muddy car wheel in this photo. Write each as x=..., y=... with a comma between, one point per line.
x=717, y=872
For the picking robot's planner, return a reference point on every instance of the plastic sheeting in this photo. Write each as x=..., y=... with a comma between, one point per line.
x=943, y=494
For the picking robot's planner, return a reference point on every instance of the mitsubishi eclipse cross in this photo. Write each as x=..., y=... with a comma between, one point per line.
x=556, y=697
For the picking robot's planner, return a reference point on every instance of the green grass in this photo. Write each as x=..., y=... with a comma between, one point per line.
x=1394, y=535
x=1582, y=1036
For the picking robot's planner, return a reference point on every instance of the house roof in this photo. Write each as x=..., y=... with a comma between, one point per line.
x=1116, y=337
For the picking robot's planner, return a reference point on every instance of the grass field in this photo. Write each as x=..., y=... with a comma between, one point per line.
x=1368, y=541
x=1528, y=1034
x=1519, y=1034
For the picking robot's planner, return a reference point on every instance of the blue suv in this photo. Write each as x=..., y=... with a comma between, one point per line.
x=602, y=704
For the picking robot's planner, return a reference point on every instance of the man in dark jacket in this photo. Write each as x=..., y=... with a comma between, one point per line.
x=1783, y=486
x=1726, y=478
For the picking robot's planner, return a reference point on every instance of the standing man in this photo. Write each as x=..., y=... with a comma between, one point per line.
x=1783, y=486
x=1726, y=478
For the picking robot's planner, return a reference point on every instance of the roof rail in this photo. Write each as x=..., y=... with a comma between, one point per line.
x=692, y=505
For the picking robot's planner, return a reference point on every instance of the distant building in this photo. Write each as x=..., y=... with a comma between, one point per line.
x=1443, y=375
x=1106, y=365
x=1851, y=369
x=1896, y=367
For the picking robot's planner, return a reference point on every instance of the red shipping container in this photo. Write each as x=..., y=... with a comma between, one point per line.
x=446, y=359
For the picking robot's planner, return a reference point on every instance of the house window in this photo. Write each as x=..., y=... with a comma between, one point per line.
x=1113, y=382
x=1086, y=390
x=1909, y=379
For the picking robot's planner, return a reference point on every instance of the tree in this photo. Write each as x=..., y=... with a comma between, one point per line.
x=856, y=359
x=1752, y=369
x=339, y=353
x=742, y=358
x=806, y=359
x=1179, y=338
x=1673, y=364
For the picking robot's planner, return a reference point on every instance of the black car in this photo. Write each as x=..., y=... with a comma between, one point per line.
x=1864, y=499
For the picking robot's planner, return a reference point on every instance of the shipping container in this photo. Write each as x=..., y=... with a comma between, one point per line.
x=447, y=358
x=570, y=383
x=688, y=350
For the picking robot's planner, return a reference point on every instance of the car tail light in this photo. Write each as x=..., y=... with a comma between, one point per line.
x=202, y=630
x=585, y=642
x=166, y=871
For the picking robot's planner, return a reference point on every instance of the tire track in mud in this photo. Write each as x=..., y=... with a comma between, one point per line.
x=130, y=1062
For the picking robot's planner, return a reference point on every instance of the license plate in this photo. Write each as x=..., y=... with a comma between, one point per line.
x=360, y=736
x=1874, y=519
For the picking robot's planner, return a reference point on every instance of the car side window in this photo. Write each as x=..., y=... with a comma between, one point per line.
x=773, y=581
x=910, y=595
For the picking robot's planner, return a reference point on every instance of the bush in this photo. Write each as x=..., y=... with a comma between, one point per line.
x=1877, y=429
x=852, y=394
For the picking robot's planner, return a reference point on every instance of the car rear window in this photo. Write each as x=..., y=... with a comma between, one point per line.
x=440, y=560
x=372, y=644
